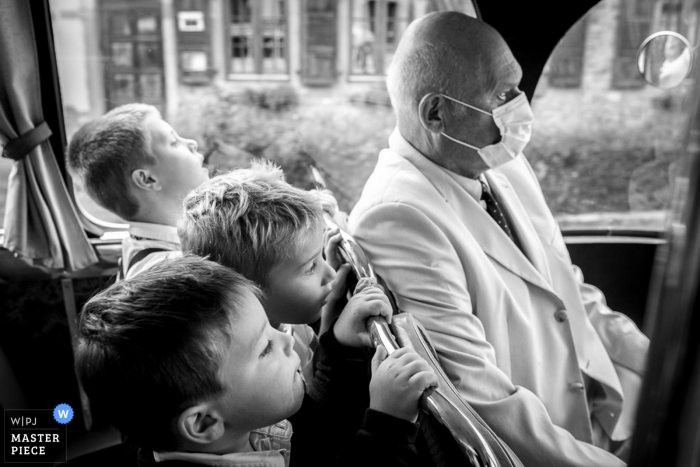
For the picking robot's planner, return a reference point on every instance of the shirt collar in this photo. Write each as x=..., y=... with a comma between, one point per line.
x=146, y=230
x=399, y=145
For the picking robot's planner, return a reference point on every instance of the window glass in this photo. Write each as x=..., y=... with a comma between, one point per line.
x=258, y=33
x=244, y=78
x=605, y=144
x=376, y=27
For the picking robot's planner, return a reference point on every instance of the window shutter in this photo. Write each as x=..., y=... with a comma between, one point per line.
x=193, y=41
x=320, y=42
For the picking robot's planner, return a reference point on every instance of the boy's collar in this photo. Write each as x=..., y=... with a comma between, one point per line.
x=272, y=446
x=147, y=230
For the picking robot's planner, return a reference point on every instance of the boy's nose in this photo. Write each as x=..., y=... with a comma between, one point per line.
x=192, y=145
x=289, y=344
x=329, y=275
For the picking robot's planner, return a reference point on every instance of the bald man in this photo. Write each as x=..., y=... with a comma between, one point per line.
x=454, y=219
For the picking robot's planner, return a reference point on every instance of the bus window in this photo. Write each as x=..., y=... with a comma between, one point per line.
x=276, y=79
x=605, y=144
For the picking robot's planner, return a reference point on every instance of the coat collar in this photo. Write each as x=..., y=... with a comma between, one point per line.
x=493, y=241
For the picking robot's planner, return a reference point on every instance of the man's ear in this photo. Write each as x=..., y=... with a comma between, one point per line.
x=431, y=110
x=145, y=180
x=200, y=424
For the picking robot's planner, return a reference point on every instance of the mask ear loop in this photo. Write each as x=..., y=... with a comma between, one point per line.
x=450, y=137
x=467, y=105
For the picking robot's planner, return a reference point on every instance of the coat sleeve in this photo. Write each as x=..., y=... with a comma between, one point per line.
x=425, y=273
x=625, y=343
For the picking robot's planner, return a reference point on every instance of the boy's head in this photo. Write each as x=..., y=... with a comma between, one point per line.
x=256, y=223
x=183, y=354
x=132, y=162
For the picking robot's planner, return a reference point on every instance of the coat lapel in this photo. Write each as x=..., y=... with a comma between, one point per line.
x=529, y=240
x=492, y=240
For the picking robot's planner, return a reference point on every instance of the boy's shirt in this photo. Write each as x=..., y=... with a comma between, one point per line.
x=144, y=236
x=333, y=427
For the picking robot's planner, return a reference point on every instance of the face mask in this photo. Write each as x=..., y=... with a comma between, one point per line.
x=514, y=120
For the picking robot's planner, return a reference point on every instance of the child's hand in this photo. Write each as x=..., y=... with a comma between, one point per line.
x=398, y=381
x=331, y=239
x=369, y=300
x=336, y=299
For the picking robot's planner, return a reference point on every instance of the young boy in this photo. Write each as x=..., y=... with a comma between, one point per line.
x=253, y=221
x=134, y=164
x=183, y=360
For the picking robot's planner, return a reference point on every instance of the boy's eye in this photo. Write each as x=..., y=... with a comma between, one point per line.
x=312, y=268
x=175, y=143
x=267, y=350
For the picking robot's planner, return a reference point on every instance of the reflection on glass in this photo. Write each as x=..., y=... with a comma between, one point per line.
x=122, y=88
x=377, y=27
x=362, y=48
x=151, y=85
x=241, y=58
x=120, y=24
x=194, y=60
x=273, y=47
x=146, y=25
x=122, y=54
x=149, y=54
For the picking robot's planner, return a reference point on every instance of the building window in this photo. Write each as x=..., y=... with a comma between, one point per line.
x=258, y=37
x=377, y=26
x=566, y=63
x=634, y=24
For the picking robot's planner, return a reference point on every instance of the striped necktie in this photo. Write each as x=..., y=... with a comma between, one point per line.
x=494, y=209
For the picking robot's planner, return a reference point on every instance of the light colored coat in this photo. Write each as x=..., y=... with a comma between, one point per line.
x=515, y=334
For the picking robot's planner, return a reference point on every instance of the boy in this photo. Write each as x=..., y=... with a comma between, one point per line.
x=134, y=164
x=183, y=360
x=253, y=221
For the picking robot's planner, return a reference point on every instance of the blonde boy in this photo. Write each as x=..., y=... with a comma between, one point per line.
x=253, y=221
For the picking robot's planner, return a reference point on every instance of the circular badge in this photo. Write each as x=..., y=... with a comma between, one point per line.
x=63, y=413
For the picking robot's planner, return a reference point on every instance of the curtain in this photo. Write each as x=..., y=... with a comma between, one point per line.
x=41, y=223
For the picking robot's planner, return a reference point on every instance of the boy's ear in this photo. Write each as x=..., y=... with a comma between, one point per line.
x=200, y=424
x=145, y=180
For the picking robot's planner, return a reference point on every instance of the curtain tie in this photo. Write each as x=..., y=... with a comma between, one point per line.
x=18, y=148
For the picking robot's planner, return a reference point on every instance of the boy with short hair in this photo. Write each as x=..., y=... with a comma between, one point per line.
x=134, y=164
x=274, y=234
x=183, y=360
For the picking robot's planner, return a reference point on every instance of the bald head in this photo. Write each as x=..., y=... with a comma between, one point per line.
x=446, y=52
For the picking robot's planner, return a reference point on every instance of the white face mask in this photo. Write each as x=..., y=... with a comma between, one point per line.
x=514, y=120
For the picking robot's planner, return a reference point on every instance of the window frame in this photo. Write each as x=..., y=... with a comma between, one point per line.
x=380, y=21
x=256, y=21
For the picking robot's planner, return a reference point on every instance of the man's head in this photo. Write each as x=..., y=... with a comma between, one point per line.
x=256, y=223
x=451, y=54
x=183, y=354
x=134, y=164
